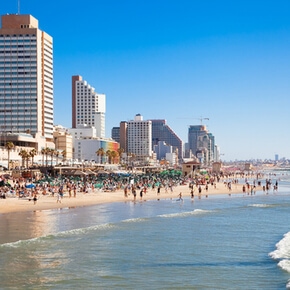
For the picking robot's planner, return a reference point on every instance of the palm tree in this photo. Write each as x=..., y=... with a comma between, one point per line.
x=120, y=152
x=114, y=154
x=9, y=146
x=32, y=153
x=100, y=152
x=46, y=153
x=109, y=155
x=51, y=153
x=25, y=156
x=43, y=153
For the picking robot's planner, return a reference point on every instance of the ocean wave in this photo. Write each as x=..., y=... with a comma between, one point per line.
x=72, y=232
x=86, y=230
x=135, y=220
x=261, y=205
x=282, y=248
x=285, y=265
x=282, y=253
x=185, y=214
x=19, y=243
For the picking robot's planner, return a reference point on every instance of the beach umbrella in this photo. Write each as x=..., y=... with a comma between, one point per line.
x=79, y=173
x=30, y=185
x=90, y=172
x=102, y=172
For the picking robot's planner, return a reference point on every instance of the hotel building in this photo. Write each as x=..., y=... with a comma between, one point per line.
x=162, y=132
x=201, y=143
x=139, y=134
x=26, y=77
x=88, y=107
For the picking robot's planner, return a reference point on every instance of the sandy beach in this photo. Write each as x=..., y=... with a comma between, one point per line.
x=15, y=204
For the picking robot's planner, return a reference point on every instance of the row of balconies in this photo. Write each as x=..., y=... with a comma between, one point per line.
x=11, y=74
x=17, y=38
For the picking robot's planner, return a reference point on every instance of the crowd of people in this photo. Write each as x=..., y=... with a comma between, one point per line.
x=134, y=185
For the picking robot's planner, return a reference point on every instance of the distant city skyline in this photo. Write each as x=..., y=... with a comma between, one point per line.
x=225, y=61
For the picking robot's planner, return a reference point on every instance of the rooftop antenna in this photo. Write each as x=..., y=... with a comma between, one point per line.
x=18, y=7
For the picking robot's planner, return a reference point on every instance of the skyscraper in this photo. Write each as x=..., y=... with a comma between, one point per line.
x=26, y=77
x=115, y=134
x=124, y=135
x=201, y=143
x=88, y=107
x=162, y=132
x=139, y=134
x=195, y=132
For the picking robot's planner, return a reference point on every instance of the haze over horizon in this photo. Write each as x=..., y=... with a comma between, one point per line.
x=180, y=61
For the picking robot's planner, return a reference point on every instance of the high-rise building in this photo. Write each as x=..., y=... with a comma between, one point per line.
x=194, y=134
x=139, y=134
x=115, y=134
x=88, y=107
x=123, y=135
x=26, y=77
x=162, y=132
x=201, y=143
x=161, y=149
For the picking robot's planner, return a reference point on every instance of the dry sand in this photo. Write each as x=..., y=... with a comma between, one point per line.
x=16, y=204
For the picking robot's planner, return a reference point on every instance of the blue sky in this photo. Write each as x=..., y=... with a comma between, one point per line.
x=228, y=61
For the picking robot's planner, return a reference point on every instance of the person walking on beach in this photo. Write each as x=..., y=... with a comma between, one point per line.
x=58, y=198
x=158, y=189
x=75, y=190
x=34, y=198
x=125, y=191
x=180, y=196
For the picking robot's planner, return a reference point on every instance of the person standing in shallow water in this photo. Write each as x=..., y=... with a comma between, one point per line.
x=134, y=192
x=192, y=193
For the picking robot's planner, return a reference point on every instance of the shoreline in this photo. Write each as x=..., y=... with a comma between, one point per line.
x=15, y=204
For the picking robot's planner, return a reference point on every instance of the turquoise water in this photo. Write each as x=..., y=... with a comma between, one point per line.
x=223, y=242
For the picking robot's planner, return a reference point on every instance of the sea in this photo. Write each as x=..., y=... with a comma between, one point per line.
x=238, y=241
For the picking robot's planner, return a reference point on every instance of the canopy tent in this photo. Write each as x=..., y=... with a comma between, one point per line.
x=90, y=172
x=79, y=173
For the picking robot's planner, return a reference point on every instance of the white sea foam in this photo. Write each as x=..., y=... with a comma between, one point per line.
x=288, y=285
x=282, y=253
x=73, y=232
x=260, y=205
x=134, y=220
x=19, y=243
x=282, y=248
x=185, y=214
x=285, y=265
x=86, y=230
